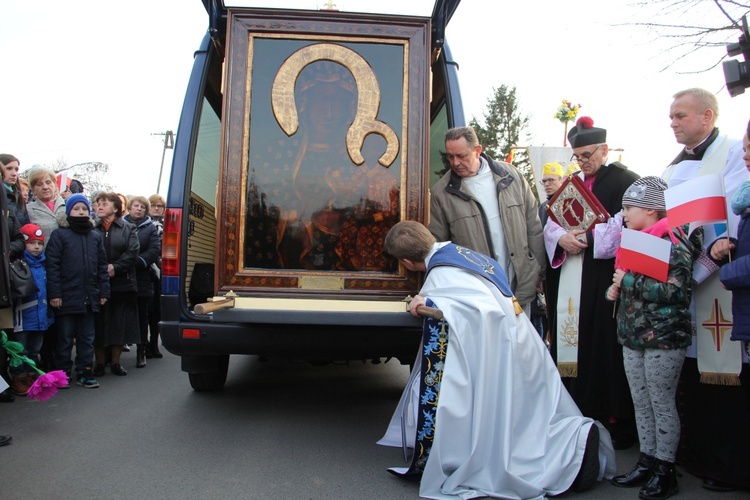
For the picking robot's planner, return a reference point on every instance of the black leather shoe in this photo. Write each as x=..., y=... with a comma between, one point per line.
x=662, y=483
x=714, y=485
x=639, y=475
x=117, y=369
x=5, y=440
x=99, y=370
x=6, y=396
x=589, y=471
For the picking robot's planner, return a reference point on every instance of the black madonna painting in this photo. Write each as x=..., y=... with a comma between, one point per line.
x=324, y=155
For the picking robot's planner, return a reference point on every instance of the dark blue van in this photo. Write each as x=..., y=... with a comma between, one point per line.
x=304, y=136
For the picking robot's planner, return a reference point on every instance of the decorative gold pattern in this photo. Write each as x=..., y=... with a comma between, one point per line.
x=477, y=259
x=570, y=329
x=368, y=98
x=576, y=207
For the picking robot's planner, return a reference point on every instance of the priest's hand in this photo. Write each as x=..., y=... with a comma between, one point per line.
x=573, y=242
x=416, y=302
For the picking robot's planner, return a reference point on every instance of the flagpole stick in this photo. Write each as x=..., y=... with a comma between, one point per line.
x=729, y=242
x=726, y=213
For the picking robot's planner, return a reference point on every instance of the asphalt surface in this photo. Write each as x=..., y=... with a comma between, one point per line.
x=278, y=430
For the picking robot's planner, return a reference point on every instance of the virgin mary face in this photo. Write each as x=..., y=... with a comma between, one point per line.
x=328, y=113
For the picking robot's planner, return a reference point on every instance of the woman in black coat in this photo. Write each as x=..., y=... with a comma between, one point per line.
x=117, y=323
x=150, y=251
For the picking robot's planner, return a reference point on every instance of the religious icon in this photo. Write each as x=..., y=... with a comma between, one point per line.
x=321, y=197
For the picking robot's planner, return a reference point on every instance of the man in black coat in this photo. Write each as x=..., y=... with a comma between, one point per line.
x=598, y=384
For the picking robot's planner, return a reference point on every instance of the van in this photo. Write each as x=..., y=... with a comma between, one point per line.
x=304, y=136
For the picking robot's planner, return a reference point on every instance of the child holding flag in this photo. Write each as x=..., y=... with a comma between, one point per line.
x=654, y=328
x=735, y=273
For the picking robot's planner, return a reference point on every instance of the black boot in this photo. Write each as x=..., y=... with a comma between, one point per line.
x=639, y=475
x=662, y=483
x=153, y=347
x=140, y=357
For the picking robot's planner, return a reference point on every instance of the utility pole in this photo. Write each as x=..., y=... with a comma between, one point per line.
x=168, y=144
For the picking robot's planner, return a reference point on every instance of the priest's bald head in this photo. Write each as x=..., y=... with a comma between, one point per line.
x=589, y=145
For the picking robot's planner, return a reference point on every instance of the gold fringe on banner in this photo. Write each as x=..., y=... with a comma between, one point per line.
x=720, y=378
x=568, y=369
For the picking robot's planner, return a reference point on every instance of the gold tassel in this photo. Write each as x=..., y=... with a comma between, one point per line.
x=720, y=378
x=568, y=369
x=517, y=307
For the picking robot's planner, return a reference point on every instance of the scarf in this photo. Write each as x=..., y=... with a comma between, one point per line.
x=80, y=225
x=135, y=221
x=659, y=230
x=741, y=199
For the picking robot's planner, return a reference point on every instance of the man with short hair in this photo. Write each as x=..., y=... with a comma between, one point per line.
x=488, y=206
x=490, y=440
x=583, y=330
x=715, y=442
x=552, y=179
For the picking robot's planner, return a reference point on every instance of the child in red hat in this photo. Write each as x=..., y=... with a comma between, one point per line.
x=32, y=316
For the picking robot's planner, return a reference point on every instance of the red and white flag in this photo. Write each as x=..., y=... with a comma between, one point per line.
x=645, y=254
x=698, y=201
x=61, y=179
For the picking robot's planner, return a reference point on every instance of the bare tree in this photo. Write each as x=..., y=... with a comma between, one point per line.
x=92, y=174
x=693, y=25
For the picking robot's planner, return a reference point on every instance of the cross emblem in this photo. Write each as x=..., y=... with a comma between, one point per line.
x=718, y=325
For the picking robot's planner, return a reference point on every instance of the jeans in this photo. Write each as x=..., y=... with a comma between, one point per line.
x=82, y=327
x=32, y=344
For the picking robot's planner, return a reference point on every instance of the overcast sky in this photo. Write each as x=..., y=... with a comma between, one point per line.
x=93, y=80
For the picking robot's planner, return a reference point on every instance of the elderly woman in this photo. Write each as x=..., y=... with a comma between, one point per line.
x=117, y=322
x=48, y=207
x=12, y=186
x=150, y=251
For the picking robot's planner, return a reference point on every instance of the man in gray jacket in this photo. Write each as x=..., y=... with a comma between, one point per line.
x=488, y=206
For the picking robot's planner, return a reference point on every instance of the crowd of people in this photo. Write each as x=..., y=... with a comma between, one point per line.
x=623, y=363
x=95, y=261
x=629, y=349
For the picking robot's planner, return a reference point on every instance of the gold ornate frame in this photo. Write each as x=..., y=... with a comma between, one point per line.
x=329, y=34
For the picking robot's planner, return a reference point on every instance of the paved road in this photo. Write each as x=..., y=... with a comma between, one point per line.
x=279, y=430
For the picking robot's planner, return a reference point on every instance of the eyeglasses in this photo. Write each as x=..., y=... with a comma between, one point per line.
x=544, y=182
x=158, y=206
x=584, y=156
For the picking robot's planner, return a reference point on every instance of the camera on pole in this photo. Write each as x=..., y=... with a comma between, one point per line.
x=736, y=73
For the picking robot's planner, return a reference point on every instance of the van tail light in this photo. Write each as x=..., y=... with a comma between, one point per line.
x=170, y=249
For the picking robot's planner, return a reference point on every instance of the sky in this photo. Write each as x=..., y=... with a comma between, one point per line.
x=89, y=81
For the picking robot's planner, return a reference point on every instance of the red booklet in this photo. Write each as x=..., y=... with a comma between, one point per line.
x=575, y=207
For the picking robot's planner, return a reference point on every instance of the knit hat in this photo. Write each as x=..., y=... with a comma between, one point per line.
x=646, y=192
x=584, y=133
x=32, y=232
x=552, y=168
x=76, y=198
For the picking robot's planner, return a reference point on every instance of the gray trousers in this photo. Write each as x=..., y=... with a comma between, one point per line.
x=652, y=377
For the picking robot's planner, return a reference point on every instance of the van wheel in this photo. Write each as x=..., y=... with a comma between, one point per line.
x=211, y=381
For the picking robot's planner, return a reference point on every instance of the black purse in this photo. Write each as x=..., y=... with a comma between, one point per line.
x=21, y=280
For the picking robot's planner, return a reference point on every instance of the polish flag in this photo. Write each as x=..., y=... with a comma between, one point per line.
x=698, y=201
x=645, y=254
x=61, y=179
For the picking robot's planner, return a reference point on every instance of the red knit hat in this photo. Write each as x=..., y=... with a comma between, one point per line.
x=32, y=232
